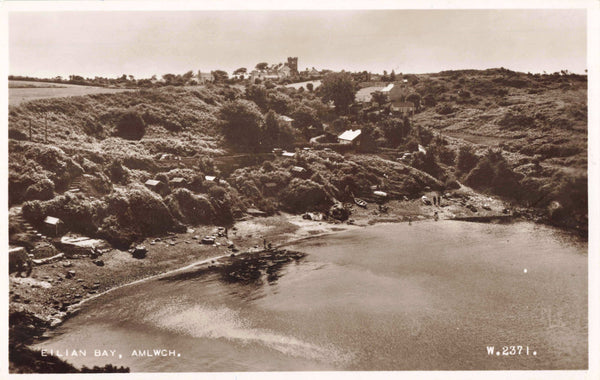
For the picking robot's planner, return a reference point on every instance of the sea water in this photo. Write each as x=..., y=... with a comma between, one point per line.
x=426, y=296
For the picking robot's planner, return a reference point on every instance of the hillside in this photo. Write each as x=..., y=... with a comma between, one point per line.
x=102, y=148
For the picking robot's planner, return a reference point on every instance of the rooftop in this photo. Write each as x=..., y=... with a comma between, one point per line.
x=349, y=135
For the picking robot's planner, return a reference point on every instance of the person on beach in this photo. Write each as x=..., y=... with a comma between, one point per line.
x=409, y=221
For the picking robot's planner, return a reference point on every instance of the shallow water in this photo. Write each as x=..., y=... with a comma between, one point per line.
x=430, y=296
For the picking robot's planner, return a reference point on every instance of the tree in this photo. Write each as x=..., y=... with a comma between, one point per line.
x=257, y=94
x=466, y=159
x=339, y=88
x=220, y=76
x=241, y=70
x=131, y=125
x=379, y=97
x=309, y=87
x=276, y=134
x=415, y=99
x=279, y=102
x=189, y=75
x=241, y=124
x=392, y=76
x=429, y=100
x=261, y=66
x=393, y=130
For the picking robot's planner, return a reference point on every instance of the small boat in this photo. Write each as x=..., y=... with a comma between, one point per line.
x=208, y=240
x=360, y=202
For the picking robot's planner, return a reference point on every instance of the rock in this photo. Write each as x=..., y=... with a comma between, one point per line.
x=70, y=274
x=195, y=237
x=99, y=262
x=67, y=264
x=139, y=252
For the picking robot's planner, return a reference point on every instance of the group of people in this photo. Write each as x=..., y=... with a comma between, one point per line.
x=437, y=200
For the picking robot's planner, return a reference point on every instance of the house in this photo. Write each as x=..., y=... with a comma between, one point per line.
x=298, y=171
x=398, y=92
x=286, y=119
x=349, y=137
x=177, y=182
x=205, y=77
x=404, y=108
x=156, y=186
x=53, y=226
x=285, y=71
x=388, y=88
x=313, y=72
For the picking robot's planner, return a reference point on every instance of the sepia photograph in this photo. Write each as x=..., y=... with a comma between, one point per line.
x=230, y=190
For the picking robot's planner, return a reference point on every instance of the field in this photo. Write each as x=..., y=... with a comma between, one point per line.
x=24, y=91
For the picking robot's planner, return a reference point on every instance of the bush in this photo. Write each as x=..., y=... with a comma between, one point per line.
x=42, y=190
x=305, y=195
x=15, y=134
x=241, y=123
x=446, y=109
x=117, y=173
x=130, y=125
x=190, y=208
x=466, y=159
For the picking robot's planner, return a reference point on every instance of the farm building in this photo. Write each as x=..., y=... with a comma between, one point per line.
x=349, y=137
x=53, y=226
x=404, y=108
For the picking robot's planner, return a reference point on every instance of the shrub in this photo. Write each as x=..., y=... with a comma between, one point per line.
x=117, y=173
x=446, y=109
x=190, y=208
x=466, y=159
x=15, y=134
x=130, y=125
x=241, y=123
x=305, y=195
x=42, y=190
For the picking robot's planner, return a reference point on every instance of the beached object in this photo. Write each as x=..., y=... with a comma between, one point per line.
x=99, y=262
x=208, y=240
x=50, y=259
x=381, y=194
x=139, y=252
x=359, y=202
x=425, y=201
x=486, y=207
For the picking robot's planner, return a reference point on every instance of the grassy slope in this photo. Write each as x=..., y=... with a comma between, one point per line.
x=526, y=114
x=532, y=118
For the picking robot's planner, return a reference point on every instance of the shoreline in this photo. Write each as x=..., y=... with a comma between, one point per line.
x=180, y=252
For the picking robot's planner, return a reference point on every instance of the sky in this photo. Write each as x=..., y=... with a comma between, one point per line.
x=47, y=44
